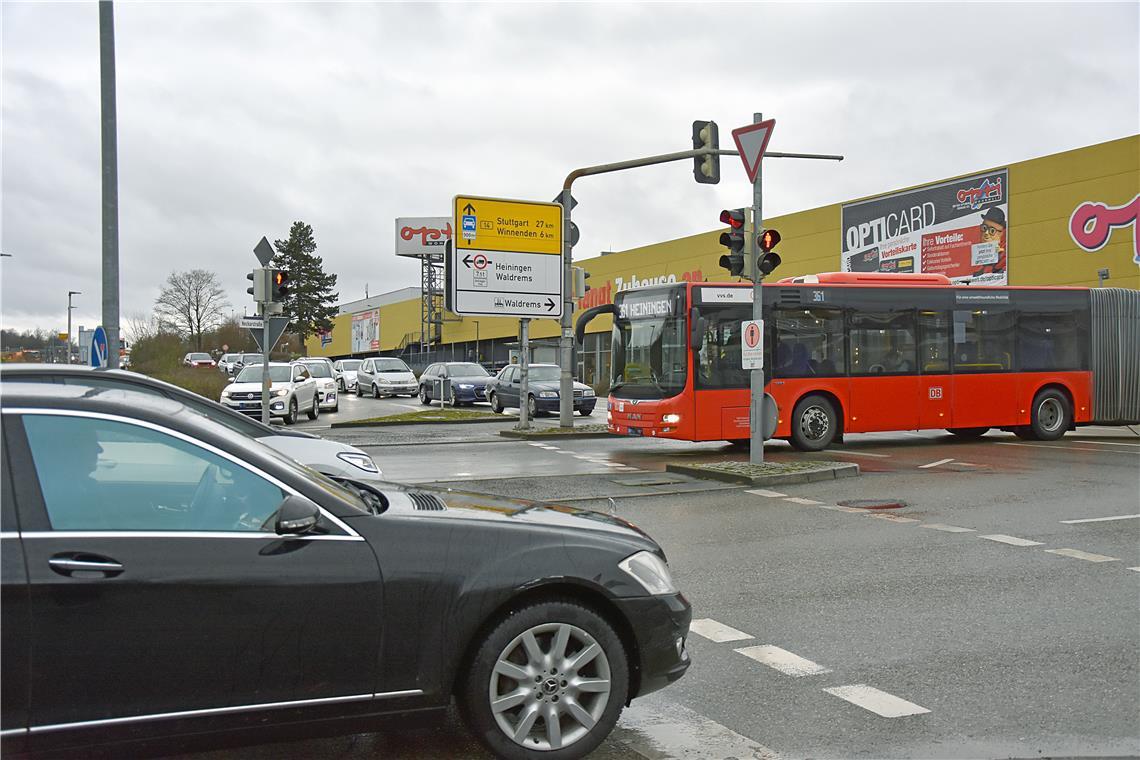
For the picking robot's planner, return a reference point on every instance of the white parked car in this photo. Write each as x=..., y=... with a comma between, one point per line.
x=322, y=372
x=345, y=371
x=227, y=362
x=386, y=376
x=292, y=390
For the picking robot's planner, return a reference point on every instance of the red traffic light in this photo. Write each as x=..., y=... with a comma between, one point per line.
x=733, y=218
x=768, y=240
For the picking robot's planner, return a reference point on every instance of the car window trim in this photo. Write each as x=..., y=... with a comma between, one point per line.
x=349, y=533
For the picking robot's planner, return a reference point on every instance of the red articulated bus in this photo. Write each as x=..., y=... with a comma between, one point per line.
x=863, y=352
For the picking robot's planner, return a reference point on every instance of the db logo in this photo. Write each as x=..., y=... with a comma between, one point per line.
x=935, y=392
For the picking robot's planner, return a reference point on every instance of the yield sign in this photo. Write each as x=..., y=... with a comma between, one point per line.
x=752, y=141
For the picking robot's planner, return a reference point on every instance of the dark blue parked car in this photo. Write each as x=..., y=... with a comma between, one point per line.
x=464, y=386
x=505, y=389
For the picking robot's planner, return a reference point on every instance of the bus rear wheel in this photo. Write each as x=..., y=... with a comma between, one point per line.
x=1050, y=416
x=814, y=423
x=968, y=433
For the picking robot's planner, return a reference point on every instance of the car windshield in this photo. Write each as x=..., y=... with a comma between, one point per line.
x=351, y=365
x=391, y=365
x=252, y=358
x=277, y=374
x=318, y=369
x=466, y=370
x=199, y=357
x=543, y=374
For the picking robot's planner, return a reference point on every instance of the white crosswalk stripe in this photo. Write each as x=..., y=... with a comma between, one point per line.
x=876, y=701
x=1078, y=554
x=1011, y=540
x=718, y=632
x=782, y=660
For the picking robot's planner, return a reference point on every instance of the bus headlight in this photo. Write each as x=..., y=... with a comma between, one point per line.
x=670, y=419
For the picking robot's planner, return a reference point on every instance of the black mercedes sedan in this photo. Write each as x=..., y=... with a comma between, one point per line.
x=165, y=578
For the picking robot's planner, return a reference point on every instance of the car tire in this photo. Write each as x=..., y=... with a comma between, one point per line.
x=453, y=400
x=968, y=433
x=340, y=386
x=1050, y=416
x=316, y=410
x=586, y=412
x=493, y=399
x=359, y=392
x=423, y=396
x=532, y=407
x=814, y=423
x=336, y=407
x=291, y=417
x=551, y=624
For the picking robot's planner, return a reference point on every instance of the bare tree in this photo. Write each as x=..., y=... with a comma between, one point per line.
x=191, y=303
x=140, y=326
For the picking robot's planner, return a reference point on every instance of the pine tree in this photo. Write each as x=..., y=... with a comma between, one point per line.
x=311, y=303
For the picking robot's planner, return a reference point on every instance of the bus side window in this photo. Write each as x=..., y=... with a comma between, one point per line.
x=1048, y=341
x=983, y=340
x=882, y=343
x=933, y=342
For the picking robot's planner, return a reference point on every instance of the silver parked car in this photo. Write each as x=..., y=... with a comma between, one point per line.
x=385, y=376
x=345, y=371
x=337, y=460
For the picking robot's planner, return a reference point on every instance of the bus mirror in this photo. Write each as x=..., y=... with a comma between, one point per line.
x=589, y=314
x=700, y=326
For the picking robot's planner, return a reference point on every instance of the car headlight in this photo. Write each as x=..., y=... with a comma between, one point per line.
x=281, y=392
x=548, y=394
x=466, y=386
x=363, y=461
x=650, y=571
x=225, y=393
x=383, y=380
x=588, y=392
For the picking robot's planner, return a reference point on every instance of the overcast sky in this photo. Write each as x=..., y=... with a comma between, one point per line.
x=236, y=119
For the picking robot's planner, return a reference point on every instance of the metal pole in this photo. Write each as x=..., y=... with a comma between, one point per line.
x=756, y=449
x=565, y=342
x=265, y=384
x=70, y=293
x=524, y=383
x=110, y=182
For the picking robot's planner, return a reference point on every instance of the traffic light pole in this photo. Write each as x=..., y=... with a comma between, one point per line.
x=756, y=434
x=265, y=384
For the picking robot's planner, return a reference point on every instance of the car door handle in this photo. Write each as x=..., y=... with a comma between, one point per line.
x=69, y=564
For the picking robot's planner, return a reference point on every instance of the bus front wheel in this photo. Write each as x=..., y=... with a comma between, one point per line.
x=814, y=424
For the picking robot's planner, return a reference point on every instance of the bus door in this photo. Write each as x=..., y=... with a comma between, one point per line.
x=985, y=387
x=884, y=387
x=720, y=383
x=935, y=383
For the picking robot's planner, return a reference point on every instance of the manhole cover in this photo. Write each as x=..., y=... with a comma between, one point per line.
x=873, y=503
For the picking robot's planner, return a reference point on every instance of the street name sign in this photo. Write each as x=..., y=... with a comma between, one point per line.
x=253, y=323
x=751, y=142
x=506, y=258
x=752, y=344
x=277, y=326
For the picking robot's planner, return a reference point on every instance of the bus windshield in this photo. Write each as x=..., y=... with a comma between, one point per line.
x=650, y=356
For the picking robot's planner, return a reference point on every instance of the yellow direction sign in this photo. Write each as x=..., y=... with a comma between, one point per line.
x=498, y=224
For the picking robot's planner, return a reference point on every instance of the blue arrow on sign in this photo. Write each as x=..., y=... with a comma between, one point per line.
x=99, y=347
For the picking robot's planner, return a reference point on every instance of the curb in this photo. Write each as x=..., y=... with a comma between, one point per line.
x=526, y=435
x=397, y=423
x=825, y=471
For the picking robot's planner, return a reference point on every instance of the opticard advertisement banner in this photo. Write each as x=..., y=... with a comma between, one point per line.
x=366, y=331
x=956, y=228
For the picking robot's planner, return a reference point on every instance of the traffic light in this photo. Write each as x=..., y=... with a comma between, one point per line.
x=733, y=240
x=767, y=259
x=580, y=286
x=258, y=289
x=279, y=285
x=706, y=169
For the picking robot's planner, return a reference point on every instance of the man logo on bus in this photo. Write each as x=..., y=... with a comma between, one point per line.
x=1091, y=224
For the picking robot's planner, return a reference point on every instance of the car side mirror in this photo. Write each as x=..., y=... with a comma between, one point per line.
x=296, y=515
x=229, y=380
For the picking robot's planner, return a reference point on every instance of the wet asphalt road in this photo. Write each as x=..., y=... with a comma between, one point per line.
x=995, y=615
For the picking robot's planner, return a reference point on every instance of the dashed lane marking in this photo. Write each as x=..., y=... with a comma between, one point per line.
x=934, y=464
x=805, y=502
x=532, y=443
x=1099, y=519
x=1067, y=448
x=1106, y=443
x=782, y=660
x=769, y=494
x=860, y=454
x=1137, y=569
x=837, y=508
x=461, y=474
x=1011, y=540
x=876, y=701
x=947, y=528
x=718, y=632
x=1078, y=554
x=893, y=518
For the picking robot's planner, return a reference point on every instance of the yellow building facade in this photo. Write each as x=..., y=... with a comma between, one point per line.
x=1071, y=215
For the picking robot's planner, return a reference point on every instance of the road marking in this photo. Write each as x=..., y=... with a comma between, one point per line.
x=655, y=728
x=805, y=502
x=532, y=443
x=893, y=518
x=934, y=464
x=1106, y=443
x=584, y=458
x=1137, y=569
x=461, y=474
x=1099, y=519
x=769, y=494
x=837, y=508
x=718, y=632
x=861, y=454
x=878, y=702
x=1001, y=538
x=1067, y=448
x=783, y=661
x=947, y=528
x=1078, y=554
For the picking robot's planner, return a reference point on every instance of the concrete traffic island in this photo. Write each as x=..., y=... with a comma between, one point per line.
x=428, y=417
x=557, y=433
x=768, y=473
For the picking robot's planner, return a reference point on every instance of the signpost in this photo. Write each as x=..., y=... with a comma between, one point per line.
x=507, y=259
x=752, y=347
x=98, y=347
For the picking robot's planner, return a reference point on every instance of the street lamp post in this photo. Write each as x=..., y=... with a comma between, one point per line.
x=70, y=293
